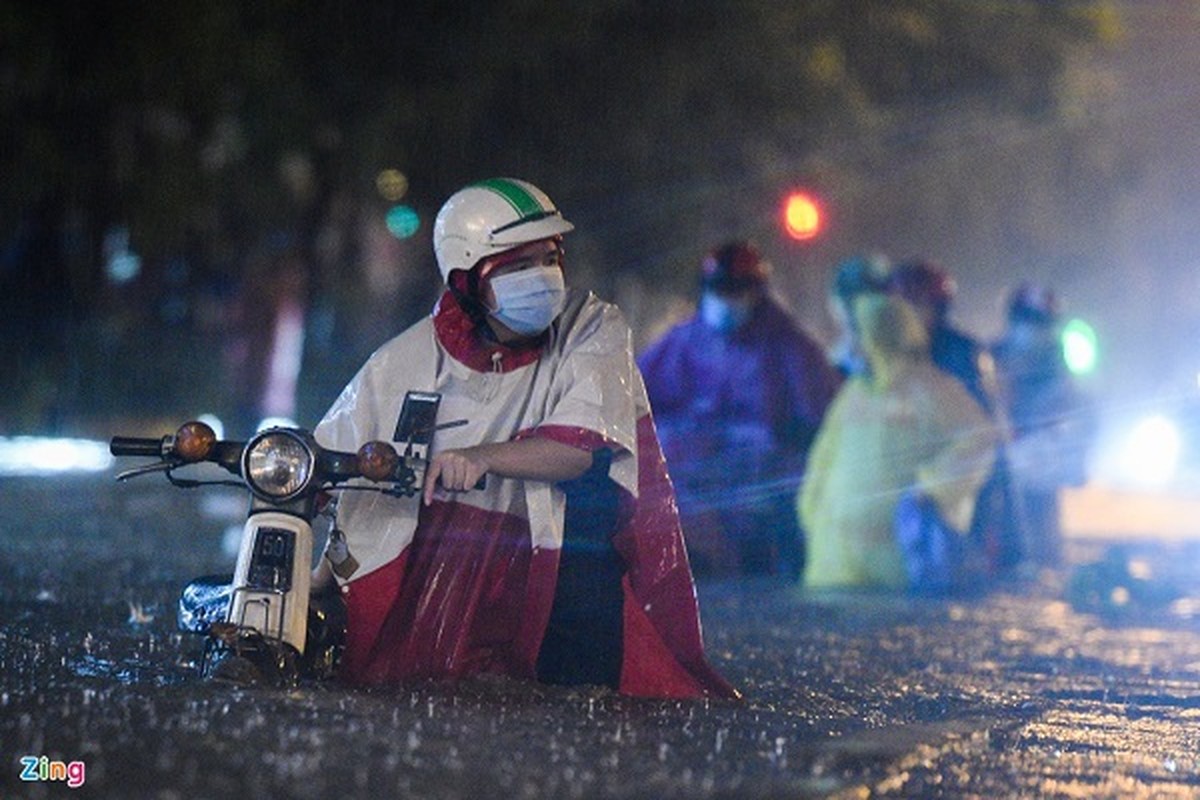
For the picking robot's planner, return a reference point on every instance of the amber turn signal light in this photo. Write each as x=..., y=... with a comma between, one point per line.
x=194, y=441
x=377, y=460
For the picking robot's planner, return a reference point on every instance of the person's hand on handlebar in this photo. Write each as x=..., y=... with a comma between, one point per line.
x=458, y=471
x=532, y=458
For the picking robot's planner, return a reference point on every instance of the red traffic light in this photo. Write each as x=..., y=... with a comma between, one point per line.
x=802, y=216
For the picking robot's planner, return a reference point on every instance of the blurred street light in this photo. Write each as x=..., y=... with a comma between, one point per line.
x=1080, y=347
x=402, y=221
x=802, y=216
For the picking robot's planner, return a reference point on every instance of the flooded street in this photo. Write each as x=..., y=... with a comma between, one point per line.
x=1065, y=685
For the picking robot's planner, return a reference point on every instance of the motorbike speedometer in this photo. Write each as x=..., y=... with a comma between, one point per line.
x=278, y=464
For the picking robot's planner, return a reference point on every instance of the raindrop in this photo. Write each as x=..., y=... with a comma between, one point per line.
x=138, y=615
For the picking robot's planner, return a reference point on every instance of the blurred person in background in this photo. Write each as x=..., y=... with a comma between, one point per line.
x=860, y=274
x=1053, y=422
x=930, y=289
x=738, y=392
x=568, y=565
x=901, y=438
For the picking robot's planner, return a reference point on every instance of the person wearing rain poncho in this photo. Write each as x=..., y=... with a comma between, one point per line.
x=568, y=564
x=902, y=436
x=738, y=392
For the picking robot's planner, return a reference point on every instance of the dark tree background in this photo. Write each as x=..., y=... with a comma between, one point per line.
x=226, y=144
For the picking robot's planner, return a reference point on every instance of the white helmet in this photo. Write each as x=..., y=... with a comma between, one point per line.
x=490, y=217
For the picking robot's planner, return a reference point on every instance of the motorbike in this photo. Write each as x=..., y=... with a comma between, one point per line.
x=262, y=627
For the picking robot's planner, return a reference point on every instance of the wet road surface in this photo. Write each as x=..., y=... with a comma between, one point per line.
x=1062, y=685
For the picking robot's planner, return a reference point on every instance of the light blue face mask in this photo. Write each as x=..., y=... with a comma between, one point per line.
x=724, y=315
x=529, y=300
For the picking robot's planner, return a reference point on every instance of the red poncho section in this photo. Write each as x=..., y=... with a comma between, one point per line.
x=471, y=595
x=664, y=649
x=466, y=585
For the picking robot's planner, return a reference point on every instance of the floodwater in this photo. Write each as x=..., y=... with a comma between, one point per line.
x=1062, y=685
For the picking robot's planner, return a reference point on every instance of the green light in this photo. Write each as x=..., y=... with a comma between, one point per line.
x=1079, y=347
x=402, y=221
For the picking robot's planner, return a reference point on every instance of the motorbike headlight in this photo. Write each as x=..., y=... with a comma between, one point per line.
x=278, y=464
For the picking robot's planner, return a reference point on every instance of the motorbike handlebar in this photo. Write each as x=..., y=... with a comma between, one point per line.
x=135, y=446
x=194, y=442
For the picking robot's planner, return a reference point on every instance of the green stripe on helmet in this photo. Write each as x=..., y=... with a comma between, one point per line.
x=525, y=204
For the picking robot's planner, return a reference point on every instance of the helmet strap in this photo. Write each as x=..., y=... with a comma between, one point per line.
x=464, y=287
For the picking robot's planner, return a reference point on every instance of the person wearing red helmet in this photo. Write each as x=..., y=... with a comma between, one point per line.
x=568, y=564
x=930, y=289
x=738, y=392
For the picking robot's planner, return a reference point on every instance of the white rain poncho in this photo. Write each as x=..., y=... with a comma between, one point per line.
x=466, y=584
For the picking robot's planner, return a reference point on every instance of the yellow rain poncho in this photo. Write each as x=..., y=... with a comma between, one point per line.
x=903, y=425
